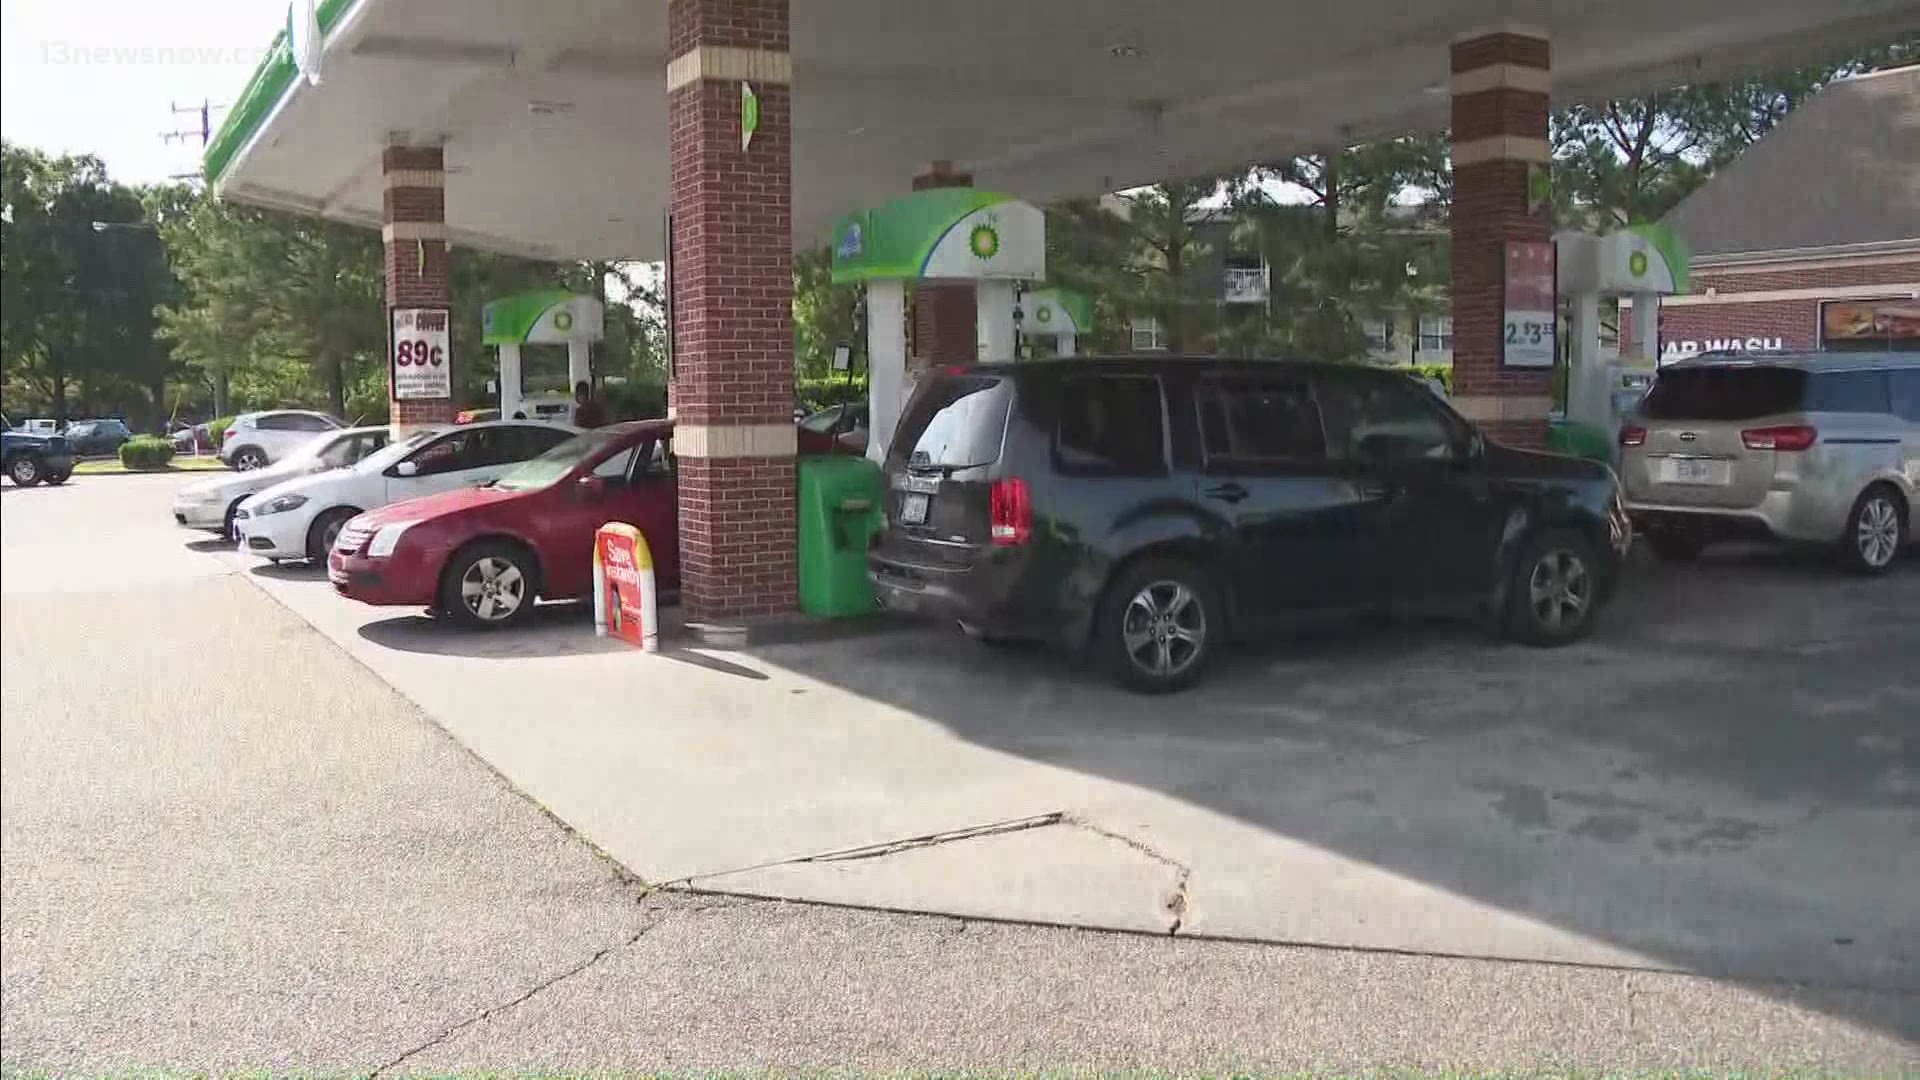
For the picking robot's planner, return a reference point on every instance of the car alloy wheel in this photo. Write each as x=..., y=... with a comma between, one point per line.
x=1559, y=591
x=493, y=589
x=1164, y=629
x=1877, y=532
x=25, y=471
x=248, y=460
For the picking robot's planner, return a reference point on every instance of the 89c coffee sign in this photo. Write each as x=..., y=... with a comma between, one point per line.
x=418, y=351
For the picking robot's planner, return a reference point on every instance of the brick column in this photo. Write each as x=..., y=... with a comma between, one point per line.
x=413, y=227
x=1500, y=86
x=944, y=315
x=733, y=307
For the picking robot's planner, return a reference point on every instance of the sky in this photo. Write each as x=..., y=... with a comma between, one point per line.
x=101, y=76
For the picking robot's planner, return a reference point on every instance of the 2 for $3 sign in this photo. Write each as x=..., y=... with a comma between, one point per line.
x=419, y=348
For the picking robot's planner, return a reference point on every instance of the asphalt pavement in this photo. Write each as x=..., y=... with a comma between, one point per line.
x=227, y=844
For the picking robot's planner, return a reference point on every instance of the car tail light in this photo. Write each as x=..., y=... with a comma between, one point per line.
x=1012, y=512
x=1633, y=435
x=1785, y=437
x=229, y=433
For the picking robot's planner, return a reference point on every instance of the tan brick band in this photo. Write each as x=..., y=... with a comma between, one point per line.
x=1504, y=77
x=1491, y=408
x=727, y=63
x=735, y=440
x=1897, y=291
x=413, y=230
x=1502, y=148
x=416, y=178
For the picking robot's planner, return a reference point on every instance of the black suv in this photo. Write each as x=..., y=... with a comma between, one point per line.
x=1149, y=509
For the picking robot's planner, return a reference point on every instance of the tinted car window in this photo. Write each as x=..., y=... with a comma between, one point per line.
x=1905, y=387
x=1724, y=393
x=1260, y=422
x=955, y=422
x=449, y=454
x=615, y=467
x=1388, y=419
x=280, y=422
x=1111, y=426
x=1848, y=392
x=538, y=439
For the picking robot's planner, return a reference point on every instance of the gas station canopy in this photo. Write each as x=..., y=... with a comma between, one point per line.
x=553, y=116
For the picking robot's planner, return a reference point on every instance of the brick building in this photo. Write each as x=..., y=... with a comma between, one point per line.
x=1811, y=239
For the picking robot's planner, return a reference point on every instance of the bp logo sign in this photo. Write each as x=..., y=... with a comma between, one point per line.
x=563, y=320
x=1044, y=315
x=1637, y=264
x=984, y=242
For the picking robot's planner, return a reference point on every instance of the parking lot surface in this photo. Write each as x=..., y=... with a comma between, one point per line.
x=209, y=807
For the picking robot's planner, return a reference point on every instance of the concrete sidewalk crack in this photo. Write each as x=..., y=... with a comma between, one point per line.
x=889, y=847
x=1177, y=901
x=494, y=1010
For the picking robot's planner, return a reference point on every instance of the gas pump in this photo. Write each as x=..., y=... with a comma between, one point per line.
x=1644, y=262
x=942, y=234
x=543, y=317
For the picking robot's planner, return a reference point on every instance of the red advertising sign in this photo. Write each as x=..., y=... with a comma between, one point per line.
x=623, y=590
x=1527, y=330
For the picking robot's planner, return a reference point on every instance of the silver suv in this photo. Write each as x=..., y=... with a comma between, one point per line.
x=1820, y=449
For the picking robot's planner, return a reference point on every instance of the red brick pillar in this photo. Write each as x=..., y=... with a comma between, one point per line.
x=413, y=227
x=944, y=319
x=1500, y=86
x=733, y=306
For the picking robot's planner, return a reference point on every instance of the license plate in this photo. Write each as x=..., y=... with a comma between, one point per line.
x=1694, y=471
x=913, y=510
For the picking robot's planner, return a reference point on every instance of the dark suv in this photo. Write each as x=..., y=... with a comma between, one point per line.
x=1150, y=509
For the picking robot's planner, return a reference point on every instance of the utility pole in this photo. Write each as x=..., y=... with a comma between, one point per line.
x=204, y=132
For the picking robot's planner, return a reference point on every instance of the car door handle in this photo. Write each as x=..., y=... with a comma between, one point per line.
x=1227, y=492
x=1380, y=491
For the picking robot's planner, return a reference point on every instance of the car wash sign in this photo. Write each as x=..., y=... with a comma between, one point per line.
x=419, y=354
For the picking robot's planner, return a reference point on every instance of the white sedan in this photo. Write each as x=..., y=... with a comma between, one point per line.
x=210, y=504
x=299, y=518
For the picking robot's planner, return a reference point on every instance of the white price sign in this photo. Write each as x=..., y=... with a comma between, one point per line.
x=419, y=354
x=1528, y=323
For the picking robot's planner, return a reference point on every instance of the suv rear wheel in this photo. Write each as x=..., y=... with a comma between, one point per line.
x=1554, y=593
x=249, y=458
x=1876, y=531
x=24, y=470
x=1158, y=625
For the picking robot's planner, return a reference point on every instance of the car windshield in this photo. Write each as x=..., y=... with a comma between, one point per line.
x=955, y=423
x=555, y=463
x=1724, y=393
x=393, y=452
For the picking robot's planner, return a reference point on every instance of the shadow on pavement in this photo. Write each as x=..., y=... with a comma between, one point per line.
x=550, y=629
x=211, y=543
x=1725, y=777
x=290, y=570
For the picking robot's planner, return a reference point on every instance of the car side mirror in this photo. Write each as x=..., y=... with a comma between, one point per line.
x=592, y=488
x=407, y=468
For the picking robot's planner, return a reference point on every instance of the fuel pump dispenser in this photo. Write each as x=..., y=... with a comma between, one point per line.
x=543, y=317
x=941, y=234
x=1644, y=262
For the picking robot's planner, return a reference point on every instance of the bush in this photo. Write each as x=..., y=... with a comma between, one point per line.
x=1443, y=372
x=822, y=391
x=146, y=452
x=217, y=430
x=633, y=400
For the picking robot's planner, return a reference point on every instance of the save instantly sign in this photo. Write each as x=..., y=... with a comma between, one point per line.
x=419, y=349
x=1528, y=323
x=625, y=604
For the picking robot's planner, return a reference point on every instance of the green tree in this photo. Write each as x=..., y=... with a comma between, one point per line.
x=81, y=274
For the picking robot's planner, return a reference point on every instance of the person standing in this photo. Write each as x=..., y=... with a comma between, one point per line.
x=587, y=410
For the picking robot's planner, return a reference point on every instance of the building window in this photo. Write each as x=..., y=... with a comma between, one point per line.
x=1148, y=334
x=1379, y=333
x=1436, y=333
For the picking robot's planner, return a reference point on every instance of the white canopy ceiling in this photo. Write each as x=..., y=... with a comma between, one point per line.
x=554, y=114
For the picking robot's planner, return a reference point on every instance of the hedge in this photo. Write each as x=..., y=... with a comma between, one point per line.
x=143, y=452
x=820, y=392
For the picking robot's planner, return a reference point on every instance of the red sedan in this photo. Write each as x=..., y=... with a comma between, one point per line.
x=482, y=555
